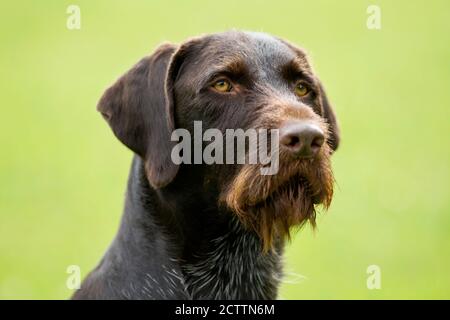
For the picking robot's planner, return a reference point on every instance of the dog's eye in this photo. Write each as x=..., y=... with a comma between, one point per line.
x=222, y=85
x=301, y=89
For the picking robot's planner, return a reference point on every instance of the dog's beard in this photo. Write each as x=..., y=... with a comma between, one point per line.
x=272, y=205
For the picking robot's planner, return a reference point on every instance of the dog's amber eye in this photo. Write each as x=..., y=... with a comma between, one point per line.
x=301, y=90
x=222, y=85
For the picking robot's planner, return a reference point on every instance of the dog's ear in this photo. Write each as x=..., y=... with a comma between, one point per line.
x=139, y=109
x=330, y=116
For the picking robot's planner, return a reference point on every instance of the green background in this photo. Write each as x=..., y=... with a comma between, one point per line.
x=63, y=174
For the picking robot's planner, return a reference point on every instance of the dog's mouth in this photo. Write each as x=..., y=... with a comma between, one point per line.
x=295, y=182
x=295, y=187
x=290, y=204
x=271, y=205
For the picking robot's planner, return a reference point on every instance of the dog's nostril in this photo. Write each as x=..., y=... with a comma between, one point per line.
x=304, y=140
x=317, y=142
x=290, y=140
x=294, y=141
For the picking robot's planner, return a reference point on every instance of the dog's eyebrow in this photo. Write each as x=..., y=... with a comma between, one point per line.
x=297, y=68
x=234, y=68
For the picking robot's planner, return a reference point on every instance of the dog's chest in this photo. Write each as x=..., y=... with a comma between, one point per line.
x=234, y=268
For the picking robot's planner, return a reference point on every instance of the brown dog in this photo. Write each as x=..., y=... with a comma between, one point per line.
x=214, y=231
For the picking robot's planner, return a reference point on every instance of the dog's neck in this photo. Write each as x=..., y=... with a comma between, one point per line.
x=233, y=267
x=217, y=257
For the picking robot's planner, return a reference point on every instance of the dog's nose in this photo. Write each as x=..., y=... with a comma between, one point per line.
x=304, y=140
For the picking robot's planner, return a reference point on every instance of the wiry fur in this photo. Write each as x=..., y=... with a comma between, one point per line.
x=211, y=231
x=272, y=204
x=235, y=267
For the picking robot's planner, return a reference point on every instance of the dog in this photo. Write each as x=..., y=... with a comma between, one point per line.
x=214, y=231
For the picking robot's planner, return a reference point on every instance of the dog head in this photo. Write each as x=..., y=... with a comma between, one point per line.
x=233, y=80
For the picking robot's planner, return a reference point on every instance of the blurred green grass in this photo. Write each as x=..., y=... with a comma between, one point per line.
x=63, y=174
